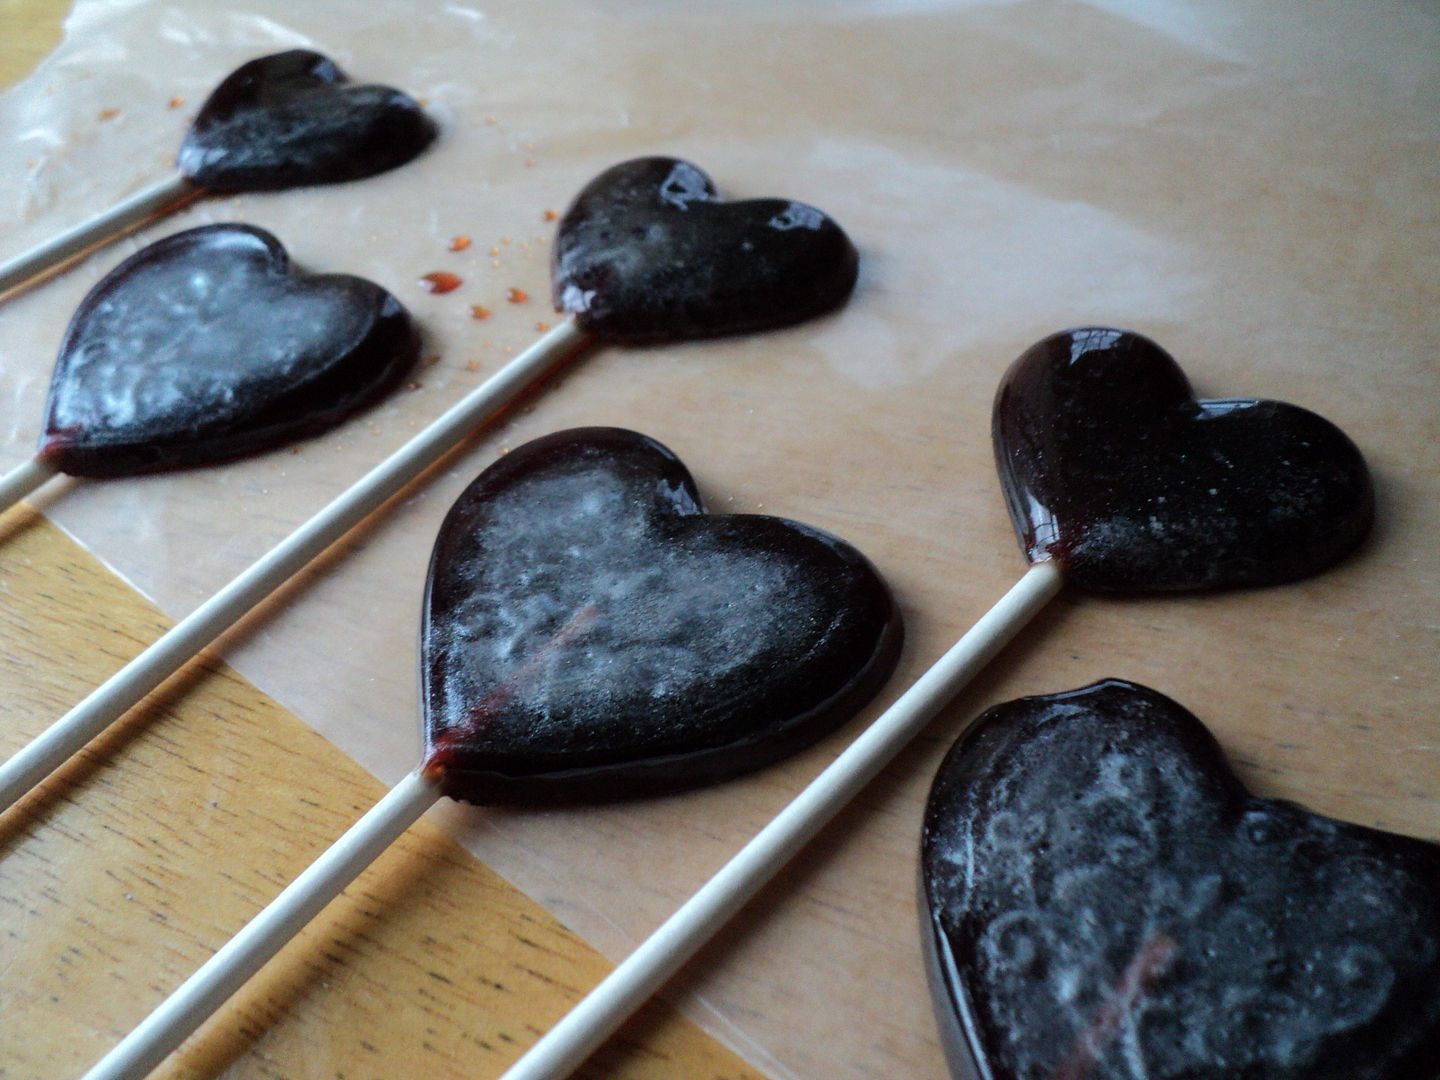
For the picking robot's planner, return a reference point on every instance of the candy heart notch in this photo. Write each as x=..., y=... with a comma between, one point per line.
x=590, y=632
x=1107, y=901
x=293, y=119
x=206, y=345
x=1110, y=466
x=649, y=252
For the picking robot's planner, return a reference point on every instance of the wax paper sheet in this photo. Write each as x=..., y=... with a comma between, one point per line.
x=1251, y=184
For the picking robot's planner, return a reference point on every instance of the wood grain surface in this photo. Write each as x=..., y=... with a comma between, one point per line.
x=123, y=872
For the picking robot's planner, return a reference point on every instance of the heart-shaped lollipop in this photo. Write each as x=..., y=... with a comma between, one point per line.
x=206, y=345
x=277, y=122
x=591, y=632
x=648, y=251
x=1107, y=901
x=293, y=119
x=1111, y=466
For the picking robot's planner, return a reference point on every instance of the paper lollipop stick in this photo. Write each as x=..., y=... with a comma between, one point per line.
x=775, y=272
x=282, y=121
x=207, y=345
x=590, y=632
x=23, y=480
x=1116, y=478
x=51, y=256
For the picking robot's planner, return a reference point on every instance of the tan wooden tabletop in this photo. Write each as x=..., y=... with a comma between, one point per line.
x=430, y=965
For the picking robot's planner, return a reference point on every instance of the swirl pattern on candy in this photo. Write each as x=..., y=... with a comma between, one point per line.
x=648, y=252
x=207, y=345
x=1106, y=900
x=590, y=632
x=294, y=118
x=1111, y=466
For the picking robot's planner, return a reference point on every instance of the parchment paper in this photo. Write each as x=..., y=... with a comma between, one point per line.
x=1254, y=185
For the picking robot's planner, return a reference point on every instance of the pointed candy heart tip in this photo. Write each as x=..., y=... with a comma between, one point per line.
x=1112, y=467
x=434, y=766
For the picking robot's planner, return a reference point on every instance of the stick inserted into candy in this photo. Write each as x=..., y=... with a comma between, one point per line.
x=289, y=120
x=589, y=632
x=1116, y=478
x=648, y=252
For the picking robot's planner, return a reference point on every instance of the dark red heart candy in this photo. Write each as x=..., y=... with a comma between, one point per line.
x=590, y=632
x=1110, y=465
x=206, y=345
x=648, y=252
x=1107, y=901
x=294, y=119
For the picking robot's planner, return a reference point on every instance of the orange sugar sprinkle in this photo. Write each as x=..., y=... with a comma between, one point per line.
x=471, y=365
x=542, y=326
x=176, y=101
x=549, y=215
x=109, y=114
x=479, y=311
x=516, y=296
x=459, y=243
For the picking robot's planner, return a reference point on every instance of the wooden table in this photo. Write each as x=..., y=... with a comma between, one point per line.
x=430, y=965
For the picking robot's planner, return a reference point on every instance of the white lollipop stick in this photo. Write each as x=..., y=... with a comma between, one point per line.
x=22, y=480
x=644, y=971
x=202, y=626
x=244, y=954
x=119, y=219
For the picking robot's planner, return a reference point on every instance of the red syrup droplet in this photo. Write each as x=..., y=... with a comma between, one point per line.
x=440, y=282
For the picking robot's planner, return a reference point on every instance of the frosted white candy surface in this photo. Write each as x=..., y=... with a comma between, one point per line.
x=1114, y=896
x=647, y=618
x=197, y=336
x=590, y=631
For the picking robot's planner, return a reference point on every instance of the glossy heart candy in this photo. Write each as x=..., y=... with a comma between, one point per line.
x=1107, y=901
x=293, y=119
x=206, y=345
x=649, y=252
x=1110, y=466
x=590, y=632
